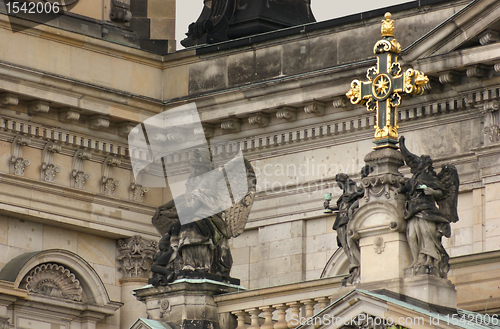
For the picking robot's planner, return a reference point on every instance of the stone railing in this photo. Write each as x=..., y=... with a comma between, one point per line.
x=279, y=307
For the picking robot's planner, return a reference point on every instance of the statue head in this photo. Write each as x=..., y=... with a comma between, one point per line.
x=201, y=161
x=345, y=183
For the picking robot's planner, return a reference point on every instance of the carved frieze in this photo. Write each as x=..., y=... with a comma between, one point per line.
x=48, y=170
x=17, y=162
x=54, y=280
x=136, y=256
x=108, y=182
x=78, y=176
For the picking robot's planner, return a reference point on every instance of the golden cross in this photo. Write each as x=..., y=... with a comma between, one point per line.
x=386, y=82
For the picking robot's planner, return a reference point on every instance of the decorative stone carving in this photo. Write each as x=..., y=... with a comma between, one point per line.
x=450, y=77
x=259, y=120
x=35, y=107
x=17, y=162
x=125, y=128
x=68, y=115
x=379, y=244
x=287, y=113
x=108, y=183
x=206, y=129
x=477, y=71
x=491, y=120
x=136, y=256
x=497, y=67
x=177, y=135
x=340, y=102
x=137, y=192
x=316, y=108
x=78, y=176
x=48, y=170
x=98, y=122
x=164, y=308
x=54, y=280
x=232, y=125
x=161, y=137
x=488, y=37
x=8, y=99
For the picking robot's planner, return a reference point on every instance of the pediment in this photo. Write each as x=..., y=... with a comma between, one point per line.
x=384, y=309
x=475, y=25
x=149, y=324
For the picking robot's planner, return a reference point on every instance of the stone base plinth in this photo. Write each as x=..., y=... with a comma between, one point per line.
x=431, y=289
x=384, y=256
x=185, y=303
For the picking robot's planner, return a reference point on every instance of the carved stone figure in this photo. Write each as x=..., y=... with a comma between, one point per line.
x=431, y=205
x=347, y=204
x=200, y=246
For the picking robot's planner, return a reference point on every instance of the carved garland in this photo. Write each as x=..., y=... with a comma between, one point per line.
x=54, y=281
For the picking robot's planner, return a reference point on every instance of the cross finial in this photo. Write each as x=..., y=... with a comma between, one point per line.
x=386, y=82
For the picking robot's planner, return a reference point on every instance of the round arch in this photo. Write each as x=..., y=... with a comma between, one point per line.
x=338, y=264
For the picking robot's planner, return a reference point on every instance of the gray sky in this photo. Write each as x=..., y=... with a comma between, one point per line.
x=189, y=10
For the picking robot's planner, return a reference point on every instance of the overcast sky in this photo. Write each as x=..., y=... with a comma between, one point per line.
x=189, y=10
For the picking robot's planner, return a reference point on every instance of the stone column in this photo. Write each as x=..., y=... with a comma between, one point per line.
x=135, y=259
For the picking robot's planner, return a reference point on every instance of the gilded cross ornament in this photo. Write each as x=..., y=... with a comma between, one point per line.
x=382, y=93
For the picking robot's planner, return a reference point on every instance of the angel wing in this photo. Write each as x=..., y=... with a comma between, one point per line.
x=411, y=159
x=242, y=187
x=448, y=176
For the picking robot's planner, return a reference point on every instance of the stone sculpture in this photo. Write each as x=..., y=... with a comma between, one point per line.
x=431, y=205
x=199, y=248
x=347, y=204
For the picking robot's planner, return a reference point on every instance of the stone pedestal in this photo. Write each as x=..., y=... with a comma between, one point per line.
x=430, y=289
x=378, y=223
x=185, y=303
x=132, y=308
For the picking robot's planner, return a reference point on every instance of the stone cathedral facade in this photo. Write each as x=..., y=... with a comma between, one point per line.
x=76, y=237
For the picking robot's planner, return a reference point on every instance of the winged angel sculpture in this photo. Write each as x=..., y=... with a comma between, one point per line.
x=431, y=205
x=200, y=244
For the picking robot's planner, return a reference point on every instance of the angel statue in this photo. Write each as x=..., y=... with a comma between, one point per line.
x=347, y=204
x=431, y=205
x=196, y=227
